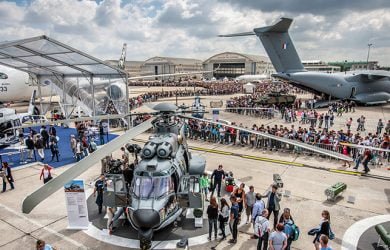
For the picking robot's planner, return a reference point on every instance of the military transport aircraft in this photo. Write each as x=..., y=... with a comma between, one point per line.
x=366, y=87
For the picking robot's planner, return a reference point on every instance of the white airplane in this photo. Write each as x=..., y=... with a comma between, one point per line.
x=251, y=78
x=17, y=86
x=10, y=120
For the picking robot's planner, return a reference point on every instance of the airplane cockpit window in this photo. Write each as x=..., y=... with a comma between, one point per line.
x=3, y=75
x=148, y=187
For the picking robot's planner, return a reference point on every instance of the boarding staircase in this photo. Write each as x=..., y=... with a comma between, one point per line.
x=73, y=96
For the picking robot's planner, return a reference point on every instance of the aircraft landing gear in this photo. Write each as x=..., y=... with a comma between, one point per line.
x=145, y=244
x=145, y=239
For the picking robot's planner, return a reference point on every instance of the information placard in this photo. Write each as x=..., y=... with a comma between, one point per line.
x=76, y=205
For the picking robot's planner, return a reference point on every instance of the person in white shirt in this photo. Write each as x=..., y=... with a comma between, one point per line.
x=262, y=230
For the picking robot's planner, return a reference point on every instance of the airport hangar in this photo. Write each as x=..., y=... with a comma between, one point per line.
x=225, y=64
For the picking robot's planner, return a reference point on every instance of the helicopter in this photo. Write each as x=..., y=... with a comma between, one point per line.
x=165, y=182
x=166, y=179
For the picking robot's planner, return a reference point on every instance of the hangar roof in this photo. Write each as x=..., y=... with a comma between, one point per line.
x=44, y=56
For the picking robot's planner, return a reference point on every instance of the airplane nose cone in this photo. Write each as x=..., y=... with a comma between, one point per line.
x=146, y=218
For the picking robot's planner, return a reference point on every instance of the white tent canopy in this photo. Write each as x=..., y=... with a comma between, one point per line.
x=44, y=56
x=249, y=88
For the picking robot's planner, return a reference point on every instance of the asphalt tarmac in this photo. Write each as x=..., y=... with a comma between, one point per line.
x=305, y=178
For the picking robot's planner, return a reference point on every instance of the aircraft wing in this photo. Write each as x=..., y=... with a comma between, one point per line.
x=284, y=140
x=80, y=167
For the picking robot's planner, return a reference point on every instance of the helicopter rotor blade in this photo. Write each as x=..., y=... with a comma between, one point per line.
x=52, y=186
x=281, y=139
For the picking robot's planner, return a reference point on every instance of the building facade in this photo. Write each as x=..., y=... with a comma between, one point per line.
x=170, y=65
x=232, y=64
x=320, y=66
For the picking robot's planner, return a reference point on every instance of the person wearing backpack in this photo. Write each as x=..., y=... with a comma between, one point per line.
x=289, y=227
x=262, y=230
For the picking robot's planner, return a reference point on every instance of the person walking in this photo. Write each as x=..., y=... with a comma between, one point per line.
x=46, y=173
x=234, y=219
x=288, y=223
x=45, y=137
x=52, y=130
x=250, y=199
x=40, y=147
x=273, y=205
x=278, y=239
x=223, y=217
x=379, y=127
x=258, y=207
x=212, y=214
x=323, y=229
x=262, y=230
x=79, y=150
x=54, y=148
x=204, y=185
x=7, y=176
x=366, y=159
x=99, y=187
x=216, y=178
x=30, y=147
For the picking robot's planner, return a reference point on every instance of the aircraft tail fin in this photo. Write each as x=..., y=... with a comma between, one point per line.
x=279, y=46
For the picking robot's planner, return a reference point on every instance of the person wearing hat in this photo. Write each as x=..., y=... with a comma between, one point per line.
x=273, y=205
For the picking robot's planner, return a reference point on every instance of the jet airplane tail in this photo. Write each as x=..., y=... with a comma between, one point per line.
x=278, y=45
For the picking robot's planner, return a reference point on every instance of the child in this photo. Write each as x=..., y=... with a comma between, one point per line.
x=204, y=184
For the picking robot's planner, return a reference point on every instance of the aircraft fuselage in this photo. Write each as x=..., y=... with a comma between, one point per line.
x=340, y=87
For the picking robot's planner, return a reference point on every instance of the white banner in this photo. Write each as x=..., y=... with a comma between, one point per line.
x=76, y=204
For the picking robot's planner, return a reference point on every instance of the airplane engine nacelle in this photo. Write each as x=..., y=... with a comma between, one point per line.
x=116, y=91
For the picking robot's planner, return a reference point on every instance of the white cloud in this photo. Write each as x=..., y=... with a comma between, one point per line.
x=186, y=28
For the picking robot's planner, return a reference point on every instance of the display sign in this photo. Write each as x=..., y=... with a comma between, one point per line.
x=216, y=104
x=76, y=205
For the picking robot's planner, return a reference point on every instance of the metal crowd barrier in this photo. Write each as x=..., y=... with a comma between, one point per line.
x=263, y=143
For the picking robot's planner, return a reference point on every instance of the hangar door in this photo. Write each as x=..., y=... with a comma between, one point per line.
x=230, y=70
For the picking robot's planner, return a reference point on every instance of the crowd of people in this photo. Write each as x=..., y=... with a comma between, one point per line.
x=321, y=137
x=278, y=234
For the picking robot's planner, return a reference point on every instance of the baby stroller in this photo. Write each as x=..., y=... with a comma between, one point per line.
x=229, y=183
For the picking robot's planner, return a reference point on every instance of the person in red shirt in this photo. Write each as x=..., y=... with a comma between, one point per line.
x=46, y=173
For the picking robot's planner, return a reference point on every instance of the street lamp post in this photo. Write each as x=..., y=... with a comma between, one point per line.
x=368, y=53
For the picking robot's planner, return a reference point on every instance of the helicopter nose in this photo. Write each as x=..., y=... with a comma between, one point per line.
x=146, y=218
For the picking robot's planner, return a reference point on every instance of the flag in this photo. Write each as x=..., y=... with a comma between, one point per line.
x=284, y=46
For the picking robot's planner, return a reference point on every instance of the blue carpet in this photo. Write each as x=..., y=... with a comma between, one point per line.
x=66, y=155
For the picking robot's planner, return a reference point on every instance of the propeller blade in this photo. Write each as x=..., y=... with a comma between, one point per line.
x=281, y=139
x=52, y=186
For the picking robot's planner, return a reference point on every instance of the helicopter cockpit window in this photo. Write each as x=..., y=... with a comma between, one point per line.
x=148, y=187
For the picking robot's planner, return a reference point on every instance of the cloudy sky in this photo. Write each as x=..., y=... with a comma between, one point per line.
x=322, y=30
